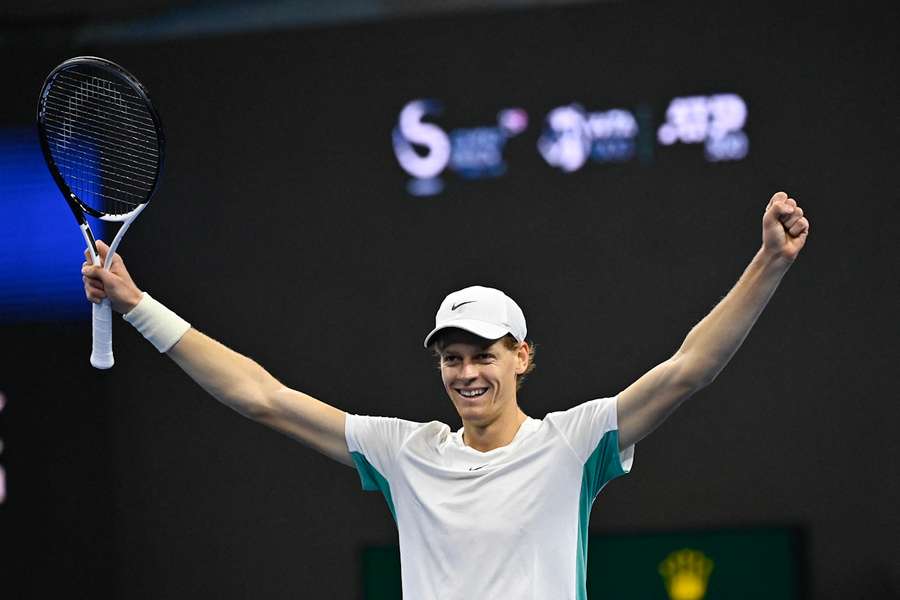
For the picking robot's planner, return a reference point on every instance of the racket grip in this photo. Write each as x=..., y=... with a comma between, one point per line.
x=102, y=353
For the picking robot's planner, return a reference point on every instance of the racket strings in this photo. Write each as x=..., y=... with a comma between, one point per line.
x=112, y=155
x=103, y=140
x=108, y=114
x=110, y=137
x=112, y=152
x=100, y=129
x=116, y=100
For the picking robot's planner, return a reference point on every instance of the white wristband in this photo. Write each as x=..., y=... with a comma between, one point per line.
x=162, y=327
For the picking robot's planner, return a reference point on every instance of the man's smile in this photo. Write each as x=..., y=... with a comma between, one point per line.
x=471, y=392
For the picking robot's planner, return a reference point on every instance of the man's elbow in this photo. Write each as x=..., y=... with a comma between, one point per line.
x=257, y=396
x=250, y=400
x=694, y=373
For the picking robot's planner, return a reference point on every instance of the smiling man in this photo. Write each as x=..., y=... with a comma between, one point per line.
x=498, y=508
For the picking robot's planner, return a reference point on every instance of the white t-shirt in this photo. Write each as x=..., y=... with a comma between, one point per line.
x=510, y=523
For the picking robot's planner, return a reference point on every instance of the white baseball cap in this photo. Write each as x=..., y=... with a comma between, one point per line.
x=484, y=311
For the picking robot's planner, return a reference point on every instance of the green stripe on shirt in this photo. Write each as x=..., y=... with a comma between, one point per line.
x=372, y=480
x=601, y=466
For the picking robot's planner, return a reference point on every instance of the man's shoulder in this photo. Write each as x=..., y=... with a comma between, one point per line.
x=595, y=405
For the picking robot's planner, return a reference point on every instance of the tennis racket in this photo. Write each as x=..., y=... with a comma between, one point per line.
x=104, y=145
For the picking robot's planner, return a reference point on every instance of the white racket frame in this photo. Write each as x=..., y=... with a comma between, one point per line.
x=101, y=348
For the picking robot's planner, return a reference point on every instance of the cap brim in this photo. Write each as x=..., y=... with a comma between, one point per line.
x=488, y=331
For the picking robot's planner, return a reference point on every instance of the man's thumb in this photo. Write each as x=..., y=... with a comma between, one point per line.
x=102, y=248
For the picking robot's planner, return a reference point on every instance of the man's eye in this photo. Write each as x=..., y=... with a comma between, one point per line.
x=484, y=357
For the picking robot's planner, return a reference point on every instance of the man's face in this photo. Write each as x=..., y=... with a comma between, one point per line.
x=481, y=381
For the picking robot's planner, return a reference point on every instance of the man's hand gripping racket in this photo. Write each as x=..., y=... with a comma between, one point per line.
x=110, y=284
x=103, y=143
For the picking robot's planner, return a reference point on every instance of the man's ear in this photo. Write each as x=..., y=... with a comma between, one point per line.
x=522, y=358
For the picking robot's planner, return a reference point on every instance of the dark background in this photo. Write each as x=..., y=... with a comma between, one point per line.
x=283, y=229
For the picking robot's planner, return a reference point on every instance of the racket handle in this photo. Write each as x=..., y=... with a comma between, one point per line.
x=102, y=353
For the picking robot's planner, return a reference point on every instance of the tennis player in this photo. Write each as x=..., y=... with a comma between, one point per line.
x=498, y=508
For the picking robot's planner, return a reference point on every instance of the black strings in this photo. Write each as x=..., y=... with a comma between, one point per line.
x=102, y=138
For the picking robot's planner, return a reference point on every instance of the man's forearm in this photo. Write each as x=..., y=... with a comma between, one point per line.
x=714, y=340
x=230, y=377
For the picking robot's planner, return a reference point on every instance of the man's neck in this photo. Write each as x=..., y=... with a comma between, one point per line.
x=496, y=434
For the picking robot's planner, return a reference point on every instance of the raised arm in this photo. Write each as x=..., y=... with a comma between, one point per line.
x=230, y=377
x=646, y=403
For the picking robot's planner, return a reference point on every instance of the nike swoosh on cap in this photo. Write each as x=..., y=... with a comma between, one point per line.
x=455, y=306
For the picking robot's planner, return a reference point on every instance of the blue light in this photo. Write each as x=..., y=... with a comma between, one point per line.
x=42, y=245
x=477, y=152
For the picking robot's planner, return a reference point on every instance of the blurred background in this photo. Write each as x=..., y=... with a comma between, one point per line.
x=335, y=168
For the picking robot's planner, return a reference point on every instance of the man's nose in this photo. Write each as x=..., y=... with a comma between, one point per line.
x=469, y=370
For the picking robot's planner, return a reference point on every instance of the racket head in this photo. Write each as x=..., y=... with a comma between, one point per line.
x=101, y=137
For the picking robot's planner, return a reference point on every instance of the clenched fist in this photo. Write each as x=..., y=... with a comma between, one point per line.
x=785, y=229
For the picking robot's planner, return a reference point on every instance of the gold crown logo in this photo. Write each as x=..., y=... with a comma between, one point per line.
x=686, y=573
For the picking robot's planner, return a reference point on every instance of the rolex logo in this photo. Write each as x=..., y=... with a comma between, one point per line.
x=686, y=573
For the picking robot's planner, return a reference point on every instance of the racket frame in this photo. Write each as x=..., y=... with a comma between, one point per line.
x=101, y=357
